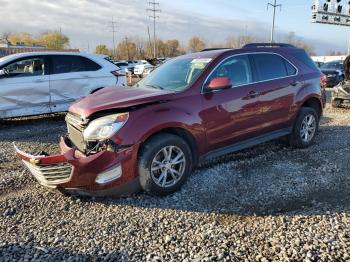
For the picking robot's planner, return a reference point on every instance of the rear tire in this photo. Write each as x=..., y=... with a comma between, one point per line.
x=164, y=164
x=305, y=128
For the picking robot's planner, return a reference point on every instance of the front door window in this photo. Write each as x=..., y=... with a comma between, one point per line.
x=25, y=68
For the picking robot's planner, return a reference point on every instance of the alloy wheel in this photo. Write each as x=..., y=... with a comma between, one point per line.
x=308, y=128
x=168, y=166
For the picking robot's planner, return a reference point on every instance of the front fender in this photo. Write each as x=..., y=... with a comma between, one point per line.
x=145, y=123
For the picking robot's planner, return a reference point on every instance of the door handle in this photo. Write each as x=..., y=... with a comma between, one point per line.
x=251, y=94
x=294, y=83
x=39, y=81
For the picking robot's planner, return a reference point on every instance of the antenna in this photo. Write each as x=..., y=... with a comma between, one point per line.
x=274, y=6
x=154, y=16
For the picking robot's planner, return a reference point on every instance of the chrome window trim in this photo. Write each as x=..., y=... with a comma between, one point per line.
x=256, y=82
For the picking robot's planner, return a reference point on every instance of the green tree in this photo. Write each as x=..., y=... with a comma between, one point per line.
x=102, y=49
x=22, y=37
x=53, y=40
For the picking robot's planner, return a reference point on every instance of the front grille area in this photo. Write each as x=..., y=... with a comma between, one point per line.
x=51, y=175
x=75, y=127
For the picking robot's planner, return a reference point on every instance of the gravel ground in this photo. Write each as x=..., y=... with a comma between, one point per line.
x=269, y=203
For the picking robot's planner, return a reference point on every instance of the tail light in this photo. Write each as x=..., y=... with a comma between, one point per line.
x=323, y=81
x=117, y=73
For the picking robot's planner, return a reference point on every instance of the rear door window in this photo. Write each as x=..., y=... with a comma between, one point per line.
x=62, y=64
x=271, y=66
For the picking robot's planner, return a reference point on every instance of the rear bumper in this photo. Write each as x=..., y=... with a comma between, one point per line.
x=80, y=171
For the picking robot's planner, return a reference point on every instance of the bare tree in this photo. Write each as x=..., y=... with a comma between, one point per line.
x=299, y=42
x=195, y=44
x=5, y=37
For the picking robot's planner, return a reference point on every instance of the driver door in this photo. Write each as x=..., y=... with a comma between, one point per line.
x=24, y=87
x=231, y=115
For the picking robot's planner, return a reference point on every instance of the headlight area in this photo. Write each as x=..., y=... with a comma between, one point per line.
x=97, y=135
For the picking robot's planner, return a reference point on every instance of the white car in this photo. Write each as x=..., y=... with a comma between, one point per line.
x=124, y=66
x=47, y=82
x=143, y=68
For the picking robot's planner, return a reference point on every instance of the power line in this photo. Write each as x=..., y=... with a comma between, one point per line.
x=113, y=27
x=274, y=6
x=154, y=16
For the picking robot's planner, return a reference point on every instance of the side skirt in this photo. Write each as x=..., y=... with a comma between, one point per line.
x=246, y=144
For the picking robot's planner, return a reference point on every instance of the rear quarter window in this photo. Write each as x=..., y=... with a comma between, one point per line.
x=304, y=58
x=272, y=66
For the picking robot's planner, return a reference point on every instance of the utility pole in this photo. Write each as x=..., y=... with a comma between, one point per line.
x=274, y=6
x=127, y=47
x=154, y=16
x=113, y=27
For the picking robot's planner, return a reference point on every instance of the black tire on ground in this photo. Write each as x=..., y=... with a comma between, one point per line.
x=149, y=151
x=295, y=139
x=337, y=103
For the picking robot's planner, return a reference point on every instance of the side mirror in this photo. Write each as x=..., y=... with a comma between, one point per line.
x=220, y=83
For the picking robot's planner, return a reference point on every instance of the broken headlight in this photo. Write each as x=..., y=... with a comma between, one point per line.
x=105, y=127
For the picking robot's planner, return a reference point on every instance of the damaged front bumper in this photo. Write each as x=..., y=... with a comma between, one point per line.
x=105, y=173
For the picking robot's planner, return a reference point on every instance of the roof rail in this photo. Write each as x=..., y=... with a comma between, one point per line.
x=255, y=45
x=215, y=48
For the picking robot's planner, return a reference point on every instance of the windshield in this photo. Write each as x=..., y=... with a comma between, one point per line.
x=175, y=75
x=332, y=65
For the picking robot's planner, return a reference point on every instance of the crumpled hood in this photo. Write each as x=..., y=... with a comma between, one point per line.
x=117, y=97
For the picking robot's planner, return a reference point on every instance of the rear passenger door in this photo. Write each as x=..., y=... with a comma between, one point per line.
x=278, y=82
x=71, y=77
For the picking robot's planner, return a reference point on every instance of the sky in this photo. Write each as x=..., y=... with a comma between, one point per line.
x=88, y=22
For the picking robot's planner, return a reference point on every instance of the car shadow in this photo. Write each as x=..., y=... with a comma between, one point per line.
x=269, y=179
x=36, y=252
x=44, y=128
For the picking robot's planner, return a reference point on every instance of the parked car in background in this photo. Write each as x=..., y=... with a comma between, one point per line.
x=341, y=92
x=192, y=108
x=334, y=71
x=45, y=82
x=143, y=68
x=319, y=64
x=131, y=65
x=124, y=66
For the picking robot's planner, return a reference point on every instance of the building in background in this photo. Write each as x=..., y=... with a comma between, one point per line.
x=6, y=48
x=325, y=59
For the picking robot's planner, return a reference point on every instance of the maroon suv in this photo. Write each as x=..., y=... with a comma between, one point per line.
x=192, y=108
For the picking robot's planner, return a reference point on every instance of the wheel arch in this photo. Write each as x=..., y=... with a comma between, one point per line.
x=314, y=103
x=180, y=132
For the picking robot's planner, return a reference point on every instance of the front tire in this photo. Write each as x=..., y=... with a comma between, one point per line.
x=164, y=164
x=305, y=128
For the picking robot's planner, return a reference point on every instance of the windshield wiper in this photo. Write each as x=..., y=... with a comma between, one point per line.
x=155, y=86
